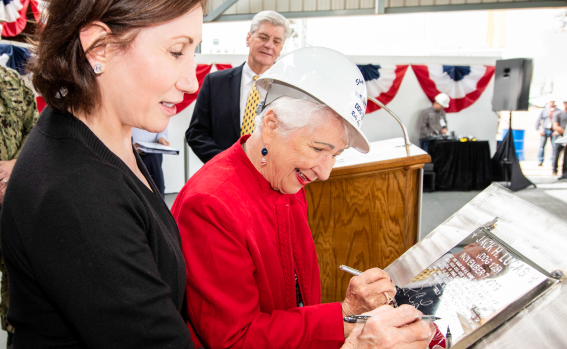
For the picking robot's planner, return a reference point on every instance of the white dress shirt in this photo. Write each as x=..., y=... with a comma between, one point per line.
x=246, y=84
x=139, y=135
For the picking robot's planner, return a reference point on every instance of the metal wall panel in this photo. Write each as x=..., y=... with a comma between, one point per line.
x=231, y=10
x=427, y=2
x=243, y=6
x=269, y=5
x=337, y=4
x=246, y=9
x=309, y=5
x=256, y=6
x=352, y=4
x=323, y=5
x=282, y=5
x=296, y=5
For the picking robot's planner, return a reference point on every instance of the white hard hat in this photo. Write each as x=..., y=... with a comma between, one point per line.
x=325, y=76
x=443, y=99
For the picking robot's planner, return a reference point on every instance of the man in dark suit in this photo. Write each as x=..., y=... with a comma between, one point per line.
x=220, y=110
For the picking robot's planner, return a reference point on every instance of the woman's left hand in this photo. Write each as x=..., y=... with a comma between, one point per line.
x=163, y=141
x=6, y=168
x=367, y=291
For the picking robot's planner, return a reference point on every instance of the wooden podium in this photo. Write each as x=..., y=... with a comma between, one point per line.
x=367, y=213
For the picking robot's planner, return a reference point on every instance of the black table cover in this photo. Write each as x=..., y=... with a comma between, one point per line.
x=460, y=166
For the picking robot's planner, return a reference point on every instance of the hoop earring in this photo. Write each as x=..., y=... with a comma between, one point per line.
x=264, y=153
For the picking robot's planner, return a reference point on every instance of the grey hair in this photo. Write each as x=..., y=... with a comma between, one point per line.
x=294, y=114
x=274, y=18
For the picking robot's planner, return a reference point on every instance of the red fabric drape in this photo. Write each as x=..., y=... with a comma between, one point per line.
x=15, y=28
x=456, y=104
x=202, y=71
x=223, y=66
x=40, y=103
x=387, y=97
x=35, y=10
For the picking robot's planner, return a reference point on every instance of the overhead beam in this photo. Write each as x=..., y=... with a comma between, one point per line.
x=219, y=10
x=304, y=14
x=481, y=6
x=379, y=9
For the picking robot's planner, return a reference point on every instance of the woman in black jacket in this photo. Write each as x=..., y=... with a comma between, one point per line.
x=92, y=252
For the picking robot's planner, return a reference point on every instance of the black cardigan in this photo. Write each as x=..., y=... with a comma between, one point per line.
x=94, y=257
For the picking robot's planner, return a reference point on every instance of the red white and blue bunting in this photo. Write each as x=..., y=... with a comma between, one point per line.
x=382, y=82
x=201, y=71
x=463, y=84
x=14, y=11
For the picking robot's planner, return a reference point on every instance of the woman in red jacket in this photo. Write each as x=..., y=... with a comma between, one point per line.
x=252, y=272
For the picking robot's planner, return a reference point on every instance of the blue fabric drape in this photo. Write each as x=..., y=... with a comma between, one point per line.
x=19, y=57
x=369, y=71
x=457, y=72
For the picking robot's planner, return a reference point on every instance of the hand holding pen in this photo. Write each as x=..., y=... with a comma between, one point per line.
x=407, y=321
x=367, y=291
x=352, y=319
x=388, y=327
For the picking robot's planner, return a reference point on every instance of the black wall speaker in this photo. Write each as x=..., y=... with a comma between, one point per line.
x=512, y=81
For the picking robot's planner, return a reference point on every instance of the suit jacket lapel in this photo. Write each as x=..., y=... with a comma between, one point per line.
x=234, y=87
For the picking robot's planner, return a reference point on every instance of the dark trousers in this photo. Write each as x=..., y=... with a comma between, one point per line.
x=556, y=154
x=543, y=142
x=153, y=164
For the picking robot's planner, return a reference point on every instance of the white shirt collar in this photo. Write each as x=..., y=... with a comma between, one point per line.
x=248, y=74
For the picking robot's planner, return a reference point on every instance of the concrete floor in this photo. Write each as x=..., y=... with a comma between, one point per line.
x=550, y=194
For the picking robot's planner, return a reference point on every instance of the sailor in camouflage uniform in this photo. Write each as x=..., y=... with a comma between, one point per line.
x=18, y=114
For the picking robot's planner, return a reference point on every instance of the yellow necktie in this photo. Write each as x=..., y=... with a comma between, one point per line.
x=250, y=111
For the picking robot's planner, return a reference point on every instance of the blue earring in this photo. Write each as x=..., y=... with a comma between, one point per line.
x=264, y=153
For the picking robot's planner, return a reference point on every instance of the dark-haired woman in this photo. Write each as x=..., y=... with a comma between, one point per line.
x=92, y=252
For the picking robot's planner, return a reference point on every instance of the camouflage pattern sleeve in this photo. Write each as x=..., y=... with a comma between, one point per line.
x=18, y=113
x=30, y=115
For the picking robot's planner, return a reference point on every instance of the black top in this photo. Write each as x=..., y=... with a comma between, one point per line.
x=215, y=125
x=94, y=257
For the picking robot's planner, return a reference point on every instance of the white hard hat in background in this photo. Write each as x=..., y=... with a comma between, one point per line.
x=443, y=99
x=321, y=75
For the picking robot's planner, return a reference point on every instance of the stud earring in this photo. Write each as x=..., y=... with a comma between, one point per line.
x=264, y=153
x=97, y=69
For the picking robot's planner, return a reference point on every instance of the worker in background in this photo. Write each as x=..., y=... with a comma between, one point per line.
x=227, y=102
x=559, y=125
x=18, y=114
x=433, y=120
x=152, y=161
x=544, y=124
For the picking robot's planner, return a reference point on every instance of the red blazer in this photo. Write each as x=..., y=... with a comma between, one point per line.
x=242, y=243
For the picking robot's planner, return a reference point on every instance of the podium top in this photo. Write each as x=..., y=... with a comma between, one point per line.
x=386, y=154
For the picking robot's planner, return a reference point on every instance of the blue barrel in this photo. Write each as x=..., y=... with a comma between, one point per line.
x=518, y=142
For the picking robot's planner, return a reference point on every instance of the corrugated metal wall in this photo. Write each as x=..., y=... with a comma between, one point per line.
x=245, y=9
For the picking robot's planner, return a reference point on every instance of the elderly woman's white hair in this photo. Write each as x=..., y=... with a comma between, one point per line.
x=294, y=114
x=274, y=18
